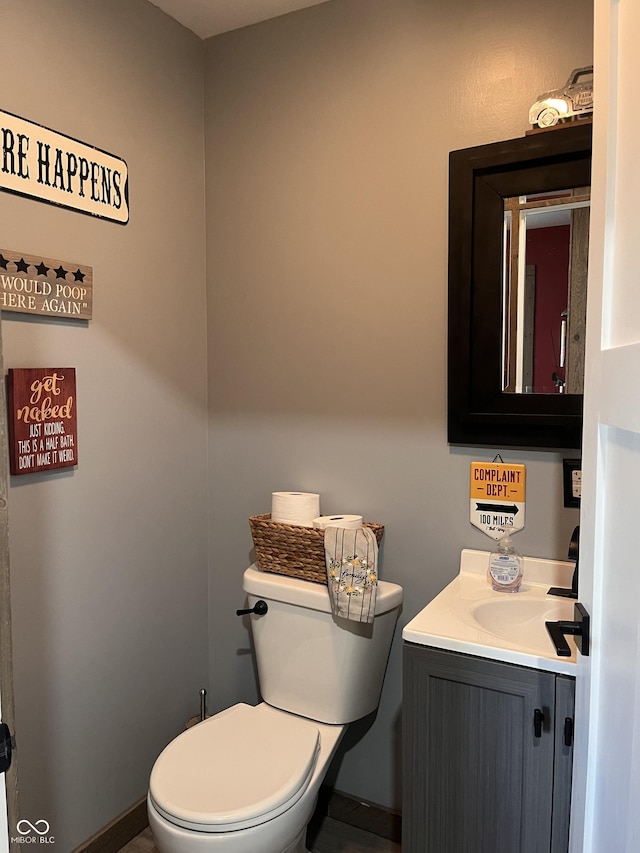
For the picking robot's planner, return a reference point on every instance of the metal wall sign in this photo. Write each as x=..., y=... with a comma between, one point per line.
x=43, y=427
x=497, y=497
x=31, y=284
x=49, y=166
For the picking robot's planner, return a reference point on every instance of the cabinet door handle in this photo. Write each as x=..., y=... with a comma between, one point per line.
x=568, y=731
x=538, y=720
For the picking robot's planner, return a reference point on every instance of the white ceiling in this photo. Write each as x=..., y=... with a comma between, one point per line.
x=209, y=17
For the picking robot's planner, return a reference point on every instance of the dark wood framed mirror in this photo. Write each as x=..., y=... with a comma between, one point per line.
x=492, y=398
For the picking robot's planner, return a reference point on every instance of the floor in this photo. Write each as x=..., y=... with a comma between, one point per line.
x=329, y=836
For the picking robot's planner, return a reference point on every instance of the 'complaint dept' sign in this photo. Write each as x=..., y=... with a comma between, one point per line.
x=49, y=166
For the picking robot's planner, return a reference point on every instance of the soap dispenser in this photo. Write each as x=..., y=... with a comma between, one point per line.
x=506, y=566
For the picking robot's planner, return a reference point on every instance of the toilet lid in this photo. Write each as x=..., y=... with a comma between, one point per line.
x=240, y=768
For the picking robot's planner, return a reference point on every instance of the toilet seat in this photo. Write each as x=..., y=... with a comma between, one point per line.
x=238, y=769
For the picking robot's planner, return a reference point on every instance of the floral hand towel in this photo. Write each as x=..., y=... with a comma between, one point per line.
x=352, y=572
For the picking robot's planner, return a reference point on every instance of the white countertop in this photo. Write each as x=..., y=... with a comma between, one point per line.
x=469, y=617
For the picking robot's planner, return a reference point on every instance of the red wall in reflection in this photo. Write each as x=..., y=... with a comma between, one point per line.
x=548, y=250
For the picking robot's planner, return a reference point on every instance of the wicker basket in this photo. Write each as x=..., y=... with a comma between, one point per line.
x=288, y=549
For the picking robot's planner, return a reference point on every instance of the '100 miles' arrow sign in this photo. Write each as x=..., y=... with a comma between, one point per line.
x=497, y=497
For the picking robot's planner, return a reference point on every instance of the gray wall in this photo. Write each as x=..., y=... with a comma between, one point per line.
x=327, y=135
x=109, y=560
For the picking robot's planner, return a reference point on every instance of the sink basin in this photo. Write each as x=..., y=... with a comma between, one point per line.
x=521, y=620
x=468, y=617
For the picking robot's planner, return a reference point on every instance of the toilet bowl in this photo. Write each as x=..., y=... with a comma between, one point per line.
x=247, y=779
x=244, y=781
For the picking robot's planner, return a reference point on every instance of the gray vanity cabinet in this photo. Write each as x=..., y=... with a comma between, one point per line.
x=487, y=755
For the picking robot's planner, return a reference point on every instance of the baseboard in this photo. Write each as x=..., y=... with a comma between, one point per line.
x=334, y=804
x=119, y=832
x=361, y=814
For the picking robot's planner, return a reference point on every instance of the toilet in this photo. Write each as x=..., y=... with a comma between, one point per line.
x=247, y=779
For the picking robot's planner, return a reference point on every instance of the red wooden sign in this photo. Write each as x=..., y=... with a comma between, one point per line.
x=43, y=430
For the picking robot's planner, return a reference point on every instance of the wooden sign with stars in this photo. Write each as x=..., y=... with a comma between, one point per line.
x=31, y=284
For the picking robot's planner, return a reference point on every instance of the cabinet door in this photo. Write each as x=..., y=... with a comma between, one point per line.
x=563, y=763
x=477, y=775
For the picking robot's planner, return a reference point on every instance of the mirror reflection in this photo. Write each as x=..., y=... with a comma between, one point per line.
x=544, y=292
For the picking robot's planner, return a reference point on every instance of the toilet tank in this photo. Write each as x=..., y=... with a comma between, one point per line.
x=311, y=663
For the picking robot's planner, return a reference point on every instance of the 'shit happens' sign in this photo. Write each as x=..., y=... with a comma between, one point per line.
x=49, y=166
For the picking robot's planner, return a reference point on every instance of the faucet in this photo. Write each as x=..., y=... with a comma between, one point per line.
x=574, y=554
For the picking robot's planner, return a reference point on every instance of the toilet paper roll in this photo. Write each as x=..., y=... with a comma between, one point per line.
x=349, y=521
x=295, y=507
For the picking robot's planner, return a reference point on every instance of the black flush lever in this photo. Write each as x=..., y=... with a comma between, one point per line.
x=579, y=629
x=259, y=608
